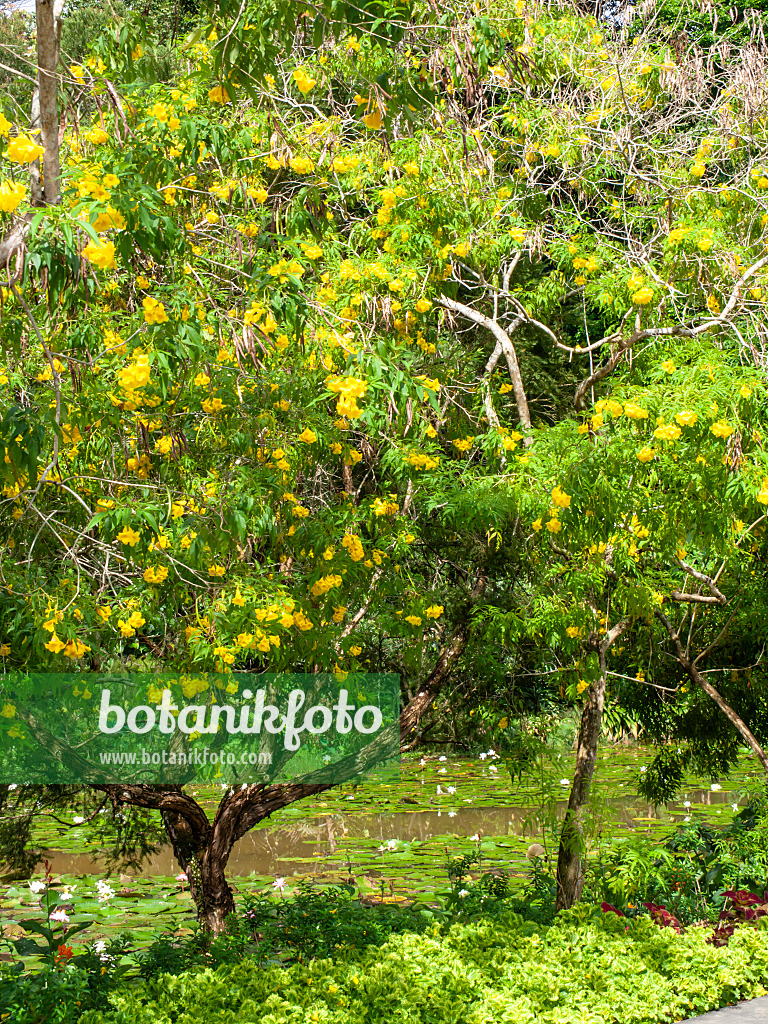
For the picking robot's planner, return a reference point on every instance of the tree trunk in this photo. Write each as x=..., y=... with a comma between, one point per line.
x=202, y=847
x=44, y=103
x=571, y=854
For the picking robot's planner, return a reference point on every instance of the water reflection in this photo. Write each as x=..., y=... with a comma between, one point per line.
x=312, y=845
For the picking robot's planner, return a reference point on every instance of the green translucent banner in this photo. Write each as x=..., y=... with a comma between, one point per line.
x=179, y=728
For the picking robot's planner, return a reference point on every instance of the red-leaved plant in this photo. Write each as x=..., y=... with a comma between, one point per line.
x=744, y=907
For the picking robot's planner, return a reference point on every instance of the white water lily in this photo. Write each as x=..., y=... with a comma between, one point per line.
x=715, y=787
x=78, y=819
x=37, y=887
x=565, y=782
x=279, y=884
x=686, y=803
x=59, y=915
x=451, y=790
x=463, y=893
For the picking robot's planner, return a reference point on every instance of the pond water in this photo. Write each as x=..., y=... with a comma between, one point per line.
x=348, y=841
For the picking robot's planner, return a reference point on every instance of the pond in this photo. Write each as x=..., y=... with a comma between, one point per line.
x=420, y=822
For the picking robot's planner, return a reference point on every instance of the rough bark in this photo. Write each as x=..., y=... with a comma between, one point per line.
x=48, y=17
x=700, y=680
x=202, y=848
x=571, y=854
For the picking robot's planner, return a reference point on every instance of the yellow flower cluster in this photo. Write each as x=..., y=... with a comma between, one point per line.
x=136, y=374
x=101, y=254
x=154, y=311
x=156, y=574
x=421, y=461
x=353, y=546
x=11, y=194
x=349, y=389
x=324, y=584
x=382, y=507
x=304, y=83
x=560, y=498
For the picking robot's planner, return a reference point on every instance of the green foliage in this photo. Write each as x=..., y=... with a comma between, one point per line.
x=585, y=965
x=689, y=873
x=321, y=922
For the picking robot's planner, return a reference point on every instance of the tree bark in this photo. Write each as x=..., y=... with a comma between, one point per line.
x=571, y=853
x=696, y=677
x=48, y=18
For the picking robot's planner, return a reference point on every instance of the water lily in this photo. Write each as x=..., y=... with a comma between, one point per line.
x=451, y=790
x=59, y=915
x=715, y=787
x=565, y=782
x=279, y=884
x=37, y=887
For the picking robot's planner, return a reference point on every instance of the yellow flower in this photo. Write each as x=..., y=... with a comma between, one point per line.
x=338, y=613
x=218, y=94
x=537, y=525
x=307, y=436
x=646, y=454
x=216, y=570
x=434, y=611
x=102, y=255
x=744, y=391
x=372, y=121
x=75, y=649
x=635, y=411
x=129, y=536
x=55, y=645
x=11, y=194
x=154, y=311
x=423, y=305
x=109, y=220
x=686, y=418
x=642, y=296
x=9, y=711
x=554, y=526
x=762, y=496
x=721, y=429
x=581, y=686
x=23, y=150
x=415, y=620
x=670, y=432
x=303, y=81
x=668, y=366
x=560, y=498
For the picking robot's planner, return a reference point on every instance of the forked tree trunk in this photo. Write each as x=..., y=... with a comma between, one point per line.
x=572, y=852
x=202, y=848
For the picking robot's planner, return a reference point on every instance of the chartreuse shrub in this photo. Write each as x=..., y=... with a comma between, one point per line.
x=585, y=967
